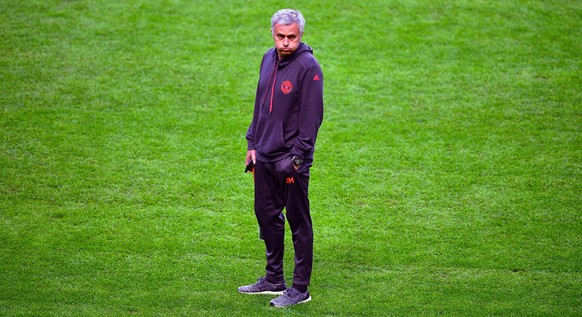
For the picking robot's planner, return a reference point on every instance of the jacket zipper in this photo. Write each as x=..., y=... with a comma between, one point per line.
x=273, y=90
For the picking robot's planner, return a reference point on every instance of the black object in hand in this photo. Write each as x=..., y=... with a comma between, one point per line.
x=250, y=167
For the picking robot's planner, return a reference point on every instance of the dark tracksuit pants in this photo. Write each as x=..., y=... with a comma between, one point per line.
x=278, y=186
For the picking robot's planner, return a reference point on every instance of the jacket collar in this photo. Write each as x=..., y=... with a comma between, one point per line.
x=301, y=49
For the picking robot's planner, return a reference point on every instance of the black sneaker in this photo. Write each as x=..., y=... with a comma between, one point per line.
x=291, y=297
x=263, y=287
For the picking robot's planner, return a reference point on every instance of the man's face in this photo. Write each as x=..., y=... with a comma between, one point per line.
x=287, y=39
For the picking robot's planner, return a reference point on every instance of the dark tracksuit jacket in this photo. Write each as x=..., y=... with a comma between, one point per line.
x=288, y=106
x=287, y=115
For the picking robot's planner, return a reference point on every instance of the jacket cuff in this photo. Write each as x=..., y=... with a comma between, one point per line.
x=293, y=154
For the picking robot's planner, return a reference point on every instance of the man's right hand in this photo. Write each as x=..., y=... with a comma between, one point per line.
x=251, y=156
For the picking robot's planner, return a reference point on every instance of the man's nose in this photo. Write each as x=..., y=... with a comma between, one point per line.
x=286, y=42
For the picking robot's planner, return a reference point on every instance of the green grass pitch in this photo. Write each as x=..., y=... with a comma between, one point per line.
x=447, y=176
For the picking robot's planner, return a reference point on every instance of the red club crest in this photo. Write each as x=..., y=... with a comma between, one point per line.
x=286, y=87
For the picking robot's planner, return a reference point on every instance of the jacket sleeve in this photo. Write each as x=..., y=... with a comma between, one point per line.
x=310, y=113
x=251, y=145
x=250, y=136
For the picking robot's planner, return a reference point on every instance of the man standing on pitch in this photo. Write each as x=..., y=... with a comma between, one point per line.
x=288, y=112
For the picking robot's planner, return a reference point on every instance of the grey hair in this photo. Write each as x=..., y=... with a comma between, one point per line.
x=288, y=17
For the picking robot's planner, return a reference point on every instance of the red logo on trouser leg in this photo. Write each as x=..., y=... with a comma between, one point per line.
x=290, y=180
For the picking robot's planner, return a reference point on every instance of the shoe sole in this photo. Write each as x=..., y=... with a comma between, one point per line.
x=301, y=302
x=264, y=293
